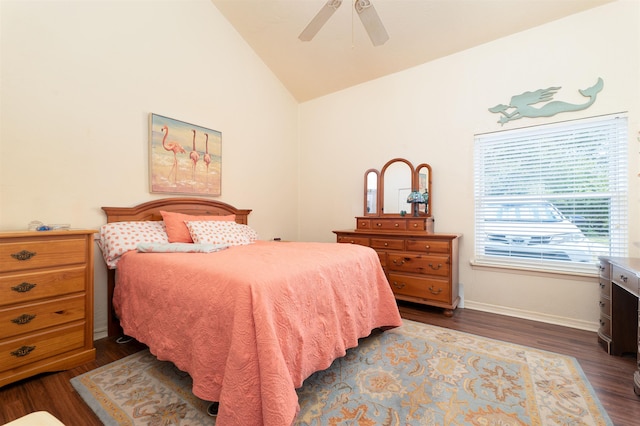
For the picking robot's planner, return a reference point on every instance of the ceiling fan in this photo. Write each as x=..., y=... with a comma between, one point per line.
x=366, y=12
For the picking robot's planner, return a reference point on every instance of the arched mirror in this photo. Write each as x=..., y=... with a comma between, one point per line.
x=396, y=180
x=423, y=175
x=386, y=192
x=371, y=184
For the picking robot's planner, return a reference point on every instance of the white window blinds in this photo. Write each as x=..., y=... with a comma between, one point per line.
x=552, y=197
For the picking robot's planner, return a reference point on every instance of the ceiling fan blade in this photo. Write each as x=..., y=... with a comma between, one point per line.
x=319, y=20
x=371, y=21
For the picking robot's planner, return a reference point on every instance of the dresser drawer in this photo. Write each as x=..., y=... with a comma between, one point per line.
x=416, y=225
x=605, y=288
x=387, y=243
x=604, y=269
x=20, y=255
x=363, y=224
x=419, y=264
x=19, y=288
x=605, y=326
x=389, y=224
x=38, y=346
x=625, y=279
x=424, y=288
x=363, y=241
x=428, y=246
x=605, y=306
x=37, y=316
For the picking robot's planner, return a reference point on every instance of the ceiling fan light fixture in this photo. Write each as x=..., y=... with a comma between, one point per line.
x=371, y=21
x=319, y=20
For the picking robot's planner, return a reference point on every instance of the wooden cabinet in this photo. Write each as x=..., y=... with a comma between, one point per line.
x=46, y=302
x=619, y=331
x=421, y=267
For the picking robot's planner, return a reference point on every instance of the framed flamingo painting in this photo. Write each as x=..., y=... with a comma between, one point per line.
x=184, y=158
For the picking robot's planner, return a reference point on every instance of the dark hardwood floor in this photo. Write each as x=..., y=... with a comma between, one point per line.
x=611, y=377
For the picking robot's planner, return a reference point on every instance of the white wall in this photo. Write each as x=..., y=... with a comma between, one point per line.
x=78, y=81
x=430, y=114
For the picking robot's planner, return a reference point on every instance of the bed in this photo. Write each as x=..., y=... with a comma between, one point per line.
x=248, y=321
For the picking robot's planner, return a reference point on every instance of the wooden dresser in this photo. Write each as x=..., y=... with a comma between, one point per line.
x=619, y=331
x=46, y=302
x=421, y=266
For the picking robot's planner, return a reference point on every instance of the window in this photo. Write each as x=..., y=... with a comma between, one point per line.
x=552, y=197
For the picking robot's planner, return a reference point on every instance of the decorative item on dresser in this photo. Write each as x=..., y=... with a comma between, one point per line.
x=421, y=265
x=619, y=331
x=46, y=302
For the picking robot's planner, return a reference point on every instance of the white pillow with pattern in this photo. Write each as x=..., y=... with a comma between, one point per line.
x=117, y=238
x=217, y=232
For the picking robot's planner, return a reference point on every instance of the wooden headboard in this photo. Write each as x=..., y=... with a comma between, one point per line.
x=151, y=211
x=194, y=206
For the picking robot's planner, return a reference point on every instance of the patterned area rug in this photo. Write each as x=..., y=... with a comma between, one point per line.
x=417, y=374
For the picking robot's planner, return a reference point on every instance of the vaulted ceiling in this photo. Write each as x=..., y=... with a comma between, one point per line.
x=341, y=54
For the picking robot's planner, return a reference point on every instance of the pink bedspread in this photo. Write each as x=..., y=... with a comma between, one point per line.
x=250, y=323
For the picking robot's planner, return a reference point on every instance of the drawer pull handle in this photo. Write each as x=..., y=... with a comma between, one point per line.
x=386, y=244
x=378, y=224
x=601, y=303
x=601, y=268
x=23, y=287
x=399, y=261
x=623, y=278
x=435, y=292
x=415, y=225
x=601, y=323
x=23, y=319
x=398, y=285
x=601, y=285
x=23, y=255
x=23, y=351
x=396, y=224
x=427, y=247
x=435, y=269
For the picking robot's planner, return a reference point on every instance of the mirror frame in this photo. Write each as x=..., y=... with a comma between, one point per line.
x=425, y=210
x=366, y=190
x=382, y=172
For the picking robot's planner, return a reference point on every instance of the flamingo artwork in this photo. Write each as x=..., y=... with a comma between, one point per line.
x=207, y=157
x=194, y=156
x=176, y=148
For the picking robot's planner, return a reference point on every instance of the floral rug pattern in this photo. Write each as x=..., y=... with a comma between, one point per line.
x=416, y=374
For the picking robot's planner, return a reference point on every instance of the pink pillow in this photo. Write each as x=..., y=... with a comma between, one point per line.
x=177, y=230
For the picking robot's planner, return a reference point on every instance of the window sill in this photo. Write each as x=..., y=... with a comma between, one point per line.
x=588, y=270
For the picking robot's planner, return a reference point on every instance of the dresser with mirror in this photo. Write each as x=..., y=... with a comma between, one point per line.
x=420, y=264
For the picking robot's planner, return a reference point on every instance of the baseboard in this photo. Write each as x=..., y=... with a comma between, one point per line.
x=100, y=333
x=534, y=316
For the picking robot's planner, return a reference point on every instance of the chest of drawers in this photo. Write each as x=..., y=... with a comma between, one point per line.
x=619, y=331
x=46, y=302
x=421, y=267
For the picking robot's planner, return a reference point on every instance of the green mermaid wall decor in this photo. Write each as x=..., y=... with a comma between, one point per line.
x=523, y=105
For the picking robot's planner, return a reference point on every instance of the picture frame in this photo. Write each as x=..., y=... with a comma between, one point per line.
x=184, y=158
